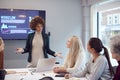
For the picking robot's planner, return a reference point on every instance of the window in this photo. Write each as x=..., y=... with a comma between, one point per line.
x=109, y=25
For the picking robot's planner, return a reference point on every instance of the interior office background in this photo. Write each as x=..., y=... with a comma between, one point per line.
x=64, y=18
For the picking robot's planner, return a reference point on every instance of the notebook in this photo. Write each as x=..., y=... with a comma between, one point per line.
x=45, y=64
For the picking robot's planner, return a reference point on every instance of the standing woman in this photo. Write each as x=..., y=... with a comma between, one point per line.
x=75, y=59
x=115, y=50
x=37, y=44
x=99, y=66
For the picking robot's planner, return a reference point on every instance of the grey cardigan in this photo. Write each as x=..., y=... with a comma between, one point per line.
x=99, y=70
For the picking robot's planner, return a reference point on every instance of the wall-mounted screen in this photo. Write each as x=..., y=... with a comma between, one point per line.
x=14, y=23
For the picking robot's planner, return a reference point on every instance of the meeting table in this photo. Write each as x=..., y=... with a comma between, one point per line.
x=29, y=74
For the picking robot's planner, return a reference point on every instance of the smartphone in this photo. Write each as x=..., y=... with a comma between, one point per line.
x=59, y=75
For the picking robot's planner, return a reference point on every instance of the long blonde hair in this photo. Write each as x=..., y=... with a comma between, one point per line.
x=74, y=51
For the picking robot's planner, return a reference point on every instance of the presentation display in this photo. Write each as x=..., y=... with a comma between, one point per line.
x=14, y=24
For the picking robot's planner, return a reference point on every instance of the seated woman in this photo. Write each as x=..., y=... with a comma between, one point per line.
x=75, y=60
x=1, y=53
x=115, y=50
x=99, y=66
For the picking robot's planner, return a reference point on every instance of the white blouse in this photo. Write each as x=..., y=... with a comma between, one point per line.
x=37, y=49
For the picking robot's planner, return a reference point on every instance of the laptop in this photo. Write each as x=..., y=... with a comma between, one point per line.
x=45, y=64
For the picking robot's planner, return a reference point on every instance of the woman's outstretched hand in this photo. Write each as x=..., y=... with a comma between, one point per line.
x=58, y=55
x=19, y=50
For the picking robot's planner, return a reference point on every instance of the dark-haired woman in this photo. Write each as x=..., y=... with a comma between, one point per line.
x=37, y=44
x=99, y=66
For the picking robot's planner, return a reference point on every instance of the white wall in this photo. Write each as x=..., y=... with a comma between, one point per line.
x=63, y=19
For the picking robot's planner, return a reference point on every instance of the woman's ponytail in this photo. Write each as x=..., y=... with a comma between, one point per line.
x=108, y=59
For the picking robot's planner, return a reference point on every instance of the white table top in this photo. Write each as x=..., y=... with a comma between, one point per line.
x=28, y=74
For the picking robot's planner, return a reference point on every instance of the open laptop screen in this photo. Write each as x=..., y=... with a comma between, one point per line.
x=45, y=64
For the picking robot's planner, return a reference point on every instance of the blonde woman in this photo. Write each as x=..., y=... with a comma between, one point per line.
x=75, y=59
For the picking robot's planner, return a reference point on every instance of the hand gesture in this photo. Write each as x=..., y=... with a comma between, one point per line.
x=58, y=55
x=19, y=50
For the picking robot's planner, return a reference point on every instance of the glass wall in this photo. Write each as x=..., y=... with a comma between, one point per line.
x=105, y=22
x=109, y=25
